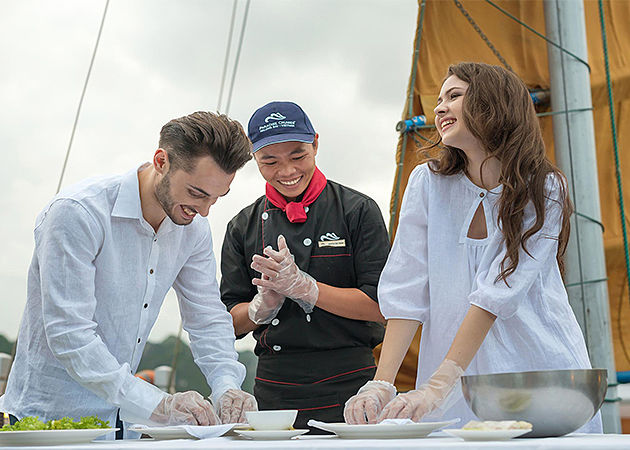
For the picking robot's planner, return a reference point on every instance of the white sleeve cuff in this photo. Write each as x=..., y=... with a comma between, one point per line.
x=138, y=400
x=220, y=386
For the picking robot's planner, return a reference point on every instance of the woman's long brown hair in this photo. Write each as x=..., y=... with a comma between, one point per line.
x=499, y=112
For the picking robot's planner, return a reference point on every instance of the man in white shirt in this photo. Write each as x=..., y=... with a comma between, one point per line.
x=107, y=250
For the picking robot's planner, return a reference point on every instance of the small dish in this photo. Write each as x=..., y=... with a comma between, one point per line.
x=270, y=435
x=279, y=419
x=486, y=435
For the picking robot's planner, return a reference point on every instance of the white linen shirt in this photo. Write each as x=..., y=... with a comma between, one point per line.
x=96, y=283
x=435, y=272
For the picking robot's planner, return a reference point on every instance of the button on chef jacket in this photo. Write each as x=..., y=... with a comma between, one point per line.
x=435, y=272
x=97, y=263
x=343, y=243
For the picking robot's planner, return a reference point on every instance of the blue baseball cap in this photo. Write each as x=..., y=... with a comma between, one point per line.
x=279, y=122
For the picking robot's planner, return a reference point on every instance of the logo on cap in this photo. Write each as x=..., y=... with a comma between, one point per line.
x=274, y=116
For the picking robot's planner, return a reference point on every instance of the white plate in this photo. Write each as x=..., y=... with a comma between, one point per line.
x=51, y=437
x=270, y=435
x=384, y=431
x=486, y=435
x=185, y=431
x=163, y=433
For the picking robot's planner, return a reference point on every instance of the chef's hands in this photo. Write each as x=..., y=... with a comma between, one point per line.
x=184, y=408
x=233, y=404
x=265, y=305
x=282, y=275
x=429, y=396
x=368, y=402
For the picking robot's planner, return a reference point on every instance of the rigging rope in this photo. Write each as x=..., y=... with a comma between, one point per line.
x=87, y=79
x=611, y=109
x=483, y=36
x=227, y=54
x=238, y=55
x=403, y=148
x=540, y=35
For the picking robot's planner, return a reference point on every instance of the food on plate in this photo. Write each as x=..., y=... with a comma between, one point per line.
x=492, y=425
x=31, y=423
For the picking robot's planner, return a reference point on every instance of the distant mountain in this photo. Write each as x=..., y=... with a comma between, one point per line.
x=6, y=346
x=188, y=376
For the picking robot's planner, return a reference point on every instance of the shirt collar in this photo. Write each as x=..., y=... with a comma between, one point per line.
x=128, y=200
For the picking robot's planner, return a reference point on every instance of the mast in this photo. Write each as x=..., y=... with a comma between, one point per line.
x=574, y=140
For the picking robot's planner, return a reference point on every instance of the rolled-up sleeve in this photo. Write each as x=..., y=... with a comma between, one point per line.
x=236, y=281
x=68, y=240
x=370, y=246
x=207, y=321
x=503, y=299
x=403, y=289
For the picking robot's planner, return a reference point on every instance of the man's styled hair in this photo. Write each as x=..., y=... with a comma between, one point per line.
x=205, y=134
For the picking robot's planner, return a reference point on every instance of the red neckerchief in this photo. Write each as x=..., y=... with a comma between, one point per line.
x=295, y=210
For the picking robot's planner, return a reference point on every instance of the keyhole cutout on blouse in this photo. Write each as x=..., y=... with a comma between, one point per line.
x=477, y=229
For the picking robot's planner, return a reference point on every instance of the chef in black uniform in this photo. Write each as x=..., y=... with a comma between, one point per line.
x=300, y=268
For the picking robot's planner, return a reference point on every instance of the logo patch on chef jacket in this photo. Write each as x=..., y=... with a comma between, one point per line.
x=331, y=240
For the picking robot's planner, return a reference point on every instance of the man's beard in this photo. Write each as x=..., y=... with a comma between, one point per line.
x=163, y=195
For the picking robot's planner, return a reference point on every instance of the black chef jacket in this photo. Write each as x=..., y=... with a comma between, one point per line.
x=311, y=362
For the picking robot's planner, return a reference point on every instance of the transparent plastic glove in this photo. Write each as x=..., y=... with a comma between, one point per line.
x=265, y=305
x=429, y=396
x=285, y=277
x=233, y=405
x=368, y=402
x=184, y=408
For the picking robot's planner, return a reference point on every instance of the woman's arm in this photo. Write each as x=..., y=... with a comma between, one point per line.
x=470, y=335
x=434, y=393
x=398, y=336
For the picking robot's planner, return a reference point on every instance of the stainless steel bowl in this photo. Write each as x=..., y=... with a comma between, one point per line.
x=555, y=402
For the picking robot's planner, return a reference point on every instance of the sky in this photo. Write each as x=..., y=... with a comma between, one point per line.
x=346, y=62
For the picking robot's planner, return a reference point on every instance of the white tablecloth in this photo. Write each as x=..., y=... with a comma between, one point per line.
x=436, y=441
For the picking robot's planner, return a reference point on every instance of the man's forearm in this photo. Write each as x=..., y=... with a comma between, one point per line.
x=241, y=320
x=351, y=303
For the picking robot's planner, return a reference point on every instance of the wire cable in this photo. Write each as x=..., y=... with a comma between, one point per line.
x=85, y=84
x=227, y=54
x=238, y=55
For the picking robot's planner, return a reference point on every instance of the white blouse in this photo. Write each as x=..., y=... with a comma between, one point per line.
x=435, y=272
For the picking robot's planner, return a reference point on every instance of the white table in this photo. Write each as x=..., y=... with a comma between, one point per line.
x=437, y=441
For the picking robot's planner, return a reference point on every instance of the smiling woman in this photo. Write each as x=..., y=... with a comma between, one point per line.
x=494, y=210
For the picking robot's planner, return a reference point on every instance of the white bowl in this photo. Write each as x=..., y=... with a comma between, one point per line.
x=281, y=419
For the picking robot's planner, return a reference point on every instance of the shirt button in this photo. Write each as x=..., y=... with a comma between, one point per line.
x=277, y=348
x=307, y=242
x=275, y=322
x=481, y=194
x=306, y=209
x=138, y=340
x=146, y=305
x=265, y=216
x=151, y=271
x=308, y=317
x=155, y=240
